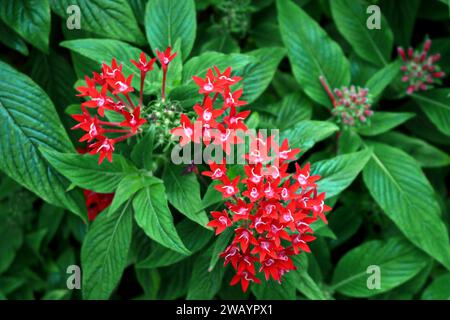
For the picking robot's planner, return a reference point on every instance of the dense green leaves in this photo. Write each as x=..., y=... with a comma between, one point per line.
x=383, y=78
x=312, y=52
x=152, y=214
x=183, y=192
x=28, y=120
x=425, y=154
x=104, y=50
x=194, y=237
x=372, y=44
x=30, y=19
x=400, y=188
x=108, y=18
x=84, y=170
x=339, y=172
x=166, y=21
x=260, y=73
x=436, y=105
x=438, y=289
x=306, y=133
x=384, y=121
x=12, y=40
x=394, y=261
x=104, y=252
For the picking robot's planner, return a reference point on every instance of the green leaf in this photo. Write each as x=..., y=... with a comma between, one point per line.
x=28, y=120
x=400, y=188
x=127, y=187
x=304, y=282
x=198, y=66
x=438, y=289
x=373, y=45
x=108, y=18
x=194, y=237
x=398, y=261
x=152, y=214
x=349, y=141
x=381, y=122
x=30, y=19
x=260, y=73
x=169, y=20
x=383, y=78
x=436, y=105
x=104, y=253
x=219, y=246
x=85, y=172
x=204, y=283
x=339, y=172
x=104, y=50
x=11, y=239
x=312, y=52
x=272, y=290
x=288, y=112
x=401, y=15
x=183, y=192
x=142, y=153
x=427, y=155
x=12, y=40
x=306, y=133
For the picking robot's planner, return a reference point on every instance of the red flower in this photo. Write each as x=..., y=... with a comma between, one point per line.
x=244, y=278
x=185, y=131
x=207, y=114
x=96, y=202
x=104, y=147
x=120, y=84
x=221, y=221
x=142, y=64
x=218, y=171
x=165, y=57
x=209, y=84
x=228, y=188
x=133, y=120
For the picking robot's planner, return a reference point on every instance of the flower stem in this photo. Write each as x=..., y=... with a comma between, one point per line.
x=163, y=89
x=141, y=92
x=328, y=90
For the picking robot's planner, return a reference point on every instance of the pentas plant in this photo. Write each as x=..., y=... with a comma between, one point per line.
x=111, y=90
x=420, y=71
x=269, y=209
x=351, y=106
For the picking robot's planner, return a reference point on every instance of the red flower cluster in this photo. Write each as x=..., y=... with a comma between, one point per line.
x=111, y=90
x=420, y=70
x=218, y=126
x=269, y=209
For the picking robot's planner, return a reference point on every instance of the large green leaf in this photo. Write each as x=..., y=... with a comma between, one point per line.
x=30, y=19
x=183, y=192
x=198, y=66
x=152, y=214
x=381, y=122
x=104, y=252
x=401, y=15
x=400, y=188
x=204, y=283
x=11, y=238
x=339, y=172
x=427, y=155
x=28, y=120
x=272, y=290
x=436, y=105
x=194, y=237
x=312, y=52
x=84, y=170
x=397, y=260
x=259, y=74
x=107, y=18
x=306, y=133
x=438, y=289
x=373, y=45
x=104, y=50
x=12, y=40
x=169, y=20
x=383, y=78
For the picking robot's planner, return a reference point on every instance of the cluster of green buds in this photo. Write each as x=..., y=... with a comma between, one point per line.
x=164, y=115
x=351, y=106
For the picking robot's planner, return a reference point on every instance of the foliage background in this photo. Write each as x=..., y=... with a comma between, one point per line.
x=393, y=212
